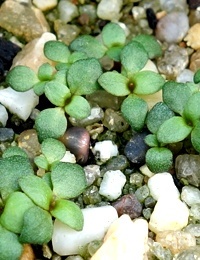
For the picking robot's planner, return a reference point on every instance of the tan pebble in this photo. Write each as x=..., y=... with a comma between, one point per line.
x=193, y=36
x=195, y=61
x=27, y=253
x=176, y=241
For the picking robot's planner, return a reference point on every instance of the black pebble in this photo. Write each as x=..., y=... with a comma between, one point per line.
x=135, y=150
x=8, y=51
x=193, y=4
x=151, y=18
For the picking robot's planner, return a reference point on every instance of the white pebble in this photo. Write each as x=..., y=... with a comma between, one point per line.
x=168, y=214
x=68, y=157
x=112, y=184
x=191, y=195
x=67, y=11
x=105, y=150
x=3, y=115
x=19, y=103
x=162, y=185
x=45, y=5
x=109, y=10
x=185, y=76
x=97, y=220
x=125, y=239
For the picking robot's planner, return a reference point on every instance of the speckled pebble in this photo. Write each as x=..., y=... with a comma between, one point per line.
x=173, y=27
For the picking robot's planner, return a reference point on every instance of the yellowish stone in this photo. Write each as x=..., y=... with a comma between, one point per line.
x=193, y=36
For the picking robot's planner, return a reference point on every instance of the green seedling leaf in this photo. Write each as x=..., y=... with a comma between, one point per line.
x=82, y=76
x=56, y=51
x=88, y=45
x=195, y=137
x=134, y=110
x=37, y=226
x=192, y=108
x=114, y=53
x=14, y=150
x=41, y=162
x=197, y=76
x=151, y=140
x=45, y=72
x=147, y=82
x=173, y=130
x=36, y=189
x=61, y=77
x=13, y=213
x=39, y=87
x=78, y=107
x=176, y=95
x=133, y=57
x=157, y=116
x=68, y=180
x=159, y=159
x=47, y=178
x=11, y=169
x=114, y=83
x=21, y=78
x=77, y=55
x=53, y=150
x=150, y=44
x=68, y=213
x=113, y=35
x=57, y=93
x=10, y=246
x=47, y=123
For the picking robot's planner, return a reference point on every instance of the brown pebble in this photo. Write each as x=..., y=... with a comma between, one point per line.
x=77, y=140
x=128, y=204
x=27, y=253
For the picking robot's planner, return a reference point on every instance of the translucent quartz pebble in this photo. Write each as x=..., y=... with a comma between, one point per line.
x=92, y=172
x=162, y=185
x=169, y=214
x=156, y=251
x=176, y=241
x=114, y=121
x=22, y=20
x=185, y=76
x=187, y=167
x=67, y=241
x=192, y=253
x=112, y=184
x=173, y=27
x=173, y=62
x=109, y=10
x=67, y=11
x=195, y=211
x=190, y=195
x=193, y=229
x=193, y=36
x=125, y=239
x=173, y=5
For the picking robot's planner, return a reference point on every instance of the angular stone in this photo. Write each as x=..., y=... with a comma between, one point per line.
x=190, y=195
x=3, y=115
x=193, y=229
x=22, y=20
x=128, y=204
x=193, y=36
x=195, y=211
x=169, y=214
x=162, y=185
x=6, y=134
x=174, y=60
x=190, y=253
x=114, y=121
x=176, y=241
x=172, y=27
x=125, y=239
x=187, y=166
x=118, y=162
x=32, y=54
x=156, y=250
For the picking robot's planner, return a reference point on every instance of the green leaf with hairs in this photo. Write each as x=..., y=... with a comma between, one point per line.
x=56, y=51
x=192, y=109
x=195, y=137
